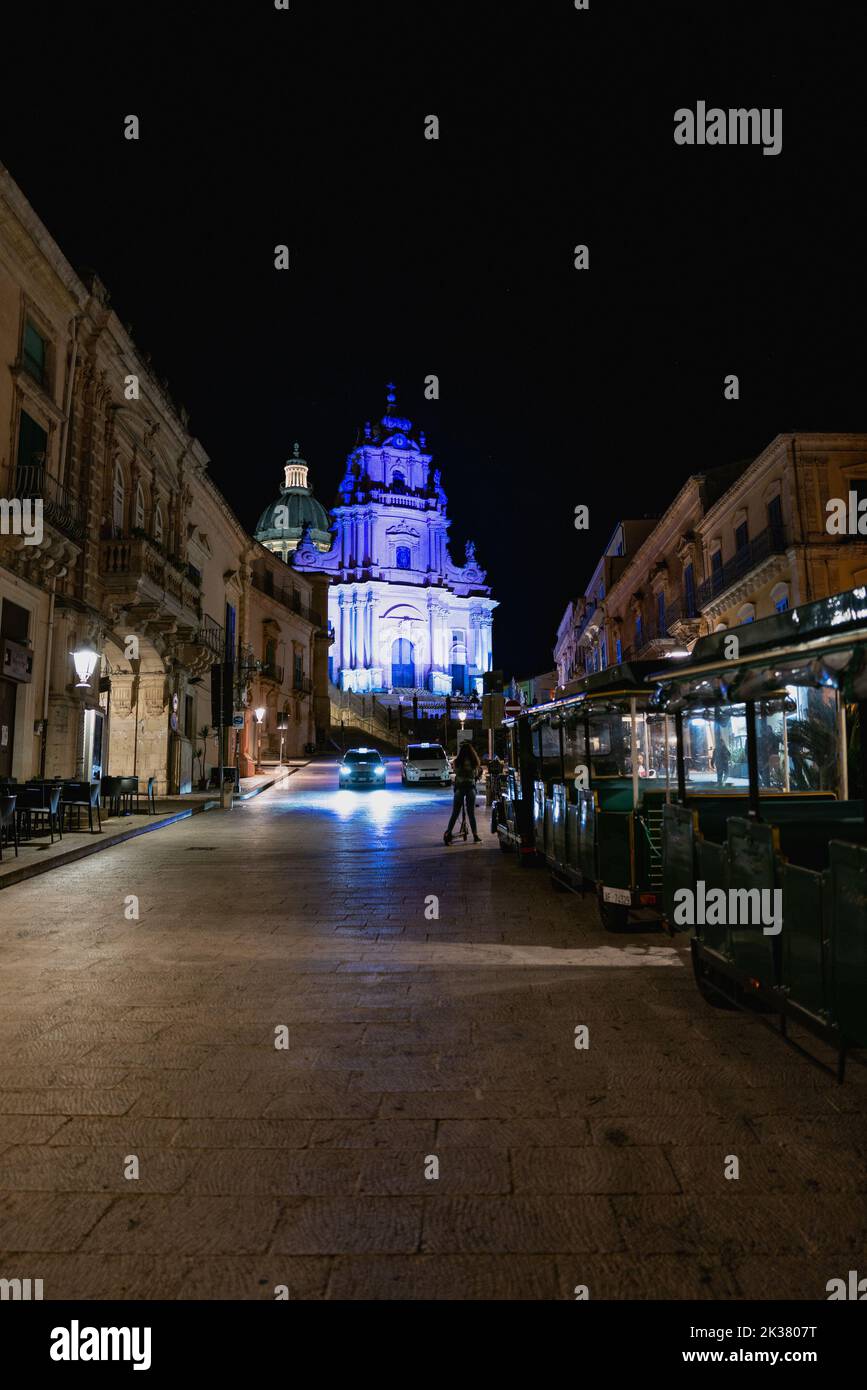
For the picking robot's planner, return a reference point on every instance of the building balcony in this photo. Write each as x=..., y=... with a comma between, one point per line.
x=761, y=553
x=302, y=686
x=655, y=639
x=289, y=598
x=137, y=576
x=60, y=508
x=212, y=635
x=270, y=671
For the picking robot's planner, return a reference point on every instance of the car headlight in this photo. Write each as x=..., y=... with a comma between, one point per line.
x=380, y=772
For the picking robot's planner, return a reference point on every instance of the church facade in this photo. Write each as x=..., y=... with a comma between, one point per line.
x=403, y=615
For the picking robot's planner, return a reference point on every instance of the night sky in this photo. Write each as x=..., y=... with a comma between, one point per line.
x=455, y=257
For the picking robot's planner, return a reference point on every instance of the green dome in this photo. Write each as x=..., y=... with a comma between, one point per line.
x=296, y=507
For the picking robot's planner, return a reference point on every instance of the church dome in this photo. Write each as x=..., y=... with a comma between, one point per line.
x=281, y=524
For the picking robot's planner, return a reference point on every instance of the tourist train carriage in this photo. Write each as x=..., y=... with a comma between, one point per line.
x=585, y=788
x=767, y=755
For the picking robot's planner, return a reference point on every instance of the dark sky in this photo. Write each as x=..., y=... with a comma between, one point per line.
x=454, y=257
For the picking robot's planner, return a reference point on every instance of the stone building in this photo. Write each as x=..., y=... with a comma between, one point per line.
x=736, y=544
x=138, y=576
x=404, y=616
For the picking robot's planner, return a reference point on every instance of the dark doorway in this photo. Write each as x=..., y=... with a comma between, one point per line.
x=402, y=662
x=8, y=693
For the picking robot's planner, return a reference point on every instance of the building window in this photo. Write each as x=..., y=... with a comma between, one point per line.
x=639, y=630
x=618, y=648
x=660, y=612
x=741, y=537
x=603, y=654
x=230, y=632
x=398, y=481
x=747, y=614
x=775, y=516
x=298, y=671
x=139, y=508
x=403, y=557
x=780, y=597
x=32, y=448
x=34, y=354
x=118, y=500
x=689, y=591
x=158, y=523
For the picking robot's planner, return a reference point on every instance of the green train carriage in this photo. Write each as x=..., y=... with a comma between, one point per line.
x=587, y=780
x=769, y=798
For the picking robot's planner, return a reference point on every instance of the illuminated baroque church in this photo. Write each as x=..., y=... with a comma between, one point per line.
x=403, y=615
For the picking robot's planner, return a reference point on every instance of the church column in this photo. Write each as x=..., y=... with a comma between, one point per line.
x=344, y=632
x=374, y=629
x=368, y=624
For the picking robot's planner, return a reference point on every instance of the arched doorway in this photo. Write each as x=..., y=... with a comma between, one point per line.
x=402, y=662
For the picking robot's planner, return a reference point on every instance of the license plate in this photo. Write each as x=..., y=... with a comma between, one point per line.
x=617, y=895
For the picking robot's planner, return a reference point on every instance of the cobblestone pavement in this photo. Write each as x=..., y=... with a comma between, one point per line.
x=408, y=1038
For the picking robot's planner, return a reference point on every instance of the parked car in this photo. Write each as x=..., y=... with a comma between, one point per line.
x=426, y=763
x=361, y=767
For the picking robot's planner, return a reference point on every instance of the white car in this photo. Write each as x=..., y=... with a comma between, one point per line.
x=426, y=763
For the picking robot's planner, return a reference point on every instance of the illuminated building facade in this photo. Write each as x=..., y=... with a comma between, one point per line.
x=403, y=614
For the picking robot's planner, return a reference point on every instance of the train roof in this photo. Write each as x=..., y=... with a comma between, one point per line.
x=627, y=679
x=823, y=643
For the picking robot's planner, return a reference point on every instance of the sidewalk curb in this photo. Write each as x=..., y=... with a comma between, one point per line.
x=25, y=871
x=255, y=791
x=96, y=843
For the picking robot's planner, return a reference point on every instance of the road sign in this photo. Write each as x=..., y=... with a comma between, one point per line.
x=512, y=707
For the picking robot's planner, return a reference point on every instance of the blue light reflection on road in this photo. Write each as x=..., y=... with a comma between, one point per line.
x=379, y=807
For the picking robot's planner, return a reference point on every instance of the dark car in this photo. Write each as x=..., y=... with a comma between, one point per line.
x=362, y=767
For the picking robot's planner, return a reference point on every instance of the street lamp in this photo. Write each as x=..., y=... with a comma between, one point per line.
x=260, y=715
x=85, y=659
x=400, y=724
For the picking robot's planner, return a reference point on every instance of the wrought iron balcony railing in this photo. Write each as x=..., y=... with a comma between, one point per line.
x=270, y=671
x=749, y=557
x=289, y=598
x=59, y=507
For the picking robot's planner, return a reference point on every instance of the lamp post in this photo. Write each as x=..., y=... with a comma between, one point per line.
x=260, y=715
x=400, y=724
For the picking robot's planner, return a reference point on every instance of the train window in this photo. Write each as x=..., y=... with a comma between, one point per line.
x=661, y=748
x=575, y=751
x=547, y=744
x=610, y=738
x=715, y=750
x=796, y=744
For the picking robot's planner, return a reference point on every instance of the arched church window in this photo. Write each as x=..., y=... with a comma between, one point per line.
x=403, y=557
x=118, y=500
x=139, y=508
x=158, y=523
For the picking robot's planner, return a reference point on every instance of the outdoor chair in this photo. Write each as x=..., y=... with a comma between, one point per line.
x=77, y=797
x=150, y=797
x=8, y=824
x=39, y=808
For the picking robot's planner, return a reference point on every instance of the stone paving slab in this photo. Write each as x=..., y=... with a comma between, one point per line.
x=405, y=1038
